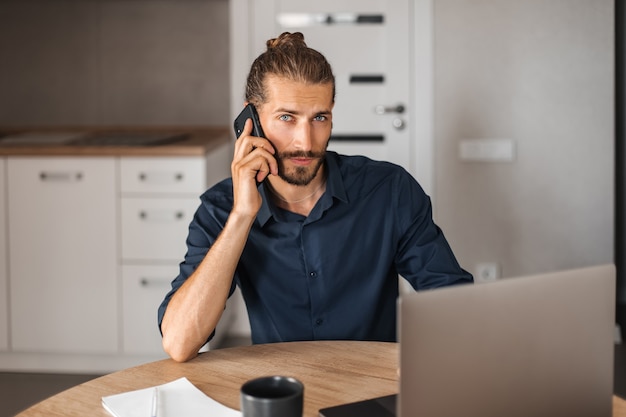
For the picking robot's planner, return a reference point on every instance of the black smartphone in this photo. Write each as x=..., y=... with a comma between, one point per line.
x=248, y=112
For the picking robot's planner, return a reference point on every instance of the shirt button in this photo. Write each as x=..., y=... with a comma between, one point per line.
x=319, y=322
x=313, y=274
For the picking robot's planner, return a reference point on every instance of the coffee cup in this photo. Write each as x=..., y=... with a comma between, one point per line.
x=272, y=396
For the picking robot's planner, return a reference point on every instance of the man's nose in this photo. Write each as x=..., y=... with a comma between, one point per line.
x=302, y=139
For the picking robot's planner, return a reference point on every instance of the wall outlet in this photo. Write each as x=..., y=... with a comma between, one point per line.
x=486, y=272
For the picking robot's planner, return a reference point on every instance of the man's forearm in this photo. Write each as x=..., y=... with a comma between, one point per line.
x=194, y=310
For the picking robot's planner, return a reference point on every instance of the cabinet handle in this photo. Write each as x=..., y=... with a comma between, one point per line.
x=153, y=281
x=161, y=177
x=60, y=176
x=161, y=215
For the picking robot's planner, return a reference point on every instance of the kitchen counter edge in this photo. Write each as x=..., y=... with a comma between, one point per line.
x=199, y=141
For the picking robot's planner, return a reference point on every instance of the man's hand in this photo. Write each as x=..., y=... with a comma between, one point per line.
x=253, y=161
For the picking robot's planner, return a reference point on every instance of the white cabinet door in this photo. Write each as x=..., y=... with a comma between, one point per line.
x=63, y=254
x=4, y=284
x=144, y=287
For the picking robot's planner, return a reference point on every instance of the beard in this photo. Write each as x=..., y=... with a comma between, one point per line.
x=300, y=175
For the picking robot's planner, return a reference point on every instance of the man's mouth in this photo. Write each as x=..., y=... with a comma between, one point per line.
x=302, y=161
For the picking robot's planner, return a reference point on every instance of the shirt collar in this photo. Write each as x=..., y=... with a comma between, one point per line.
x=335, y=188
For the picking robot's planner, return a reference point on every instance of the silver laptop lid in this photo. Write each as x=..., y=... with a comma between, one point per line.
x=532, y=346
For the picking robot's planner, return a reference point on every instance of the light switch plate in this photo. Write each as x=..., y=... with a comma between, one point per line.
x=487, y=150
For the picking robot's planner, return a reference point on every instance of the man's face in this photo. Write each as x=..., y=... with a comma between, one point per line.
x=297, y=120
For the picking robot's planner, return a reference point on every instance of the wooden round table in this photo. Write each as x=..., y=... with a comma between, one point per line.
x=333, y=372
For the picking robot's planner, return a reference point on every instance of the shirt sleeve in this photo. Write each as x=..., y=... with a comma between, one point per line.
x=424, y=257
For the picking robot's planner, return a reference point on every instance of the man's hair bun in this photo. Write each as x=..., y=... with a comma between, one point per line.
x=287, y=40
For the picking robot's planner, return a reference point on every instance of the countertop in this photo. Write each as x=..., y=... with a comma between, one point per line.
x=111, y=141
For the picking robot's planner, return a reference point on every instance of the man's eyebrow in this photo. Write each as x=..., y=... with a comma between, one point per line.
x=285, y=110
x=290, y=111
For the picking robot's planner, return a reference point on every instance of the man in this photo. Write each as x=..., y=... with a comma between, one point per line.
x=315, y=240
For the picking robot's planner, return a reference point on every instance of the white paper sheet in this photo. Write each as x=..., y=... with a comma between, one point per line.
x=176, y=399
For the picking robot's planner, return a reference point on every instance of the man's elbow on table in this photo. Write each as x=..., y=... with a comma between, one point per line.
x=177, y=350
x=175, y=343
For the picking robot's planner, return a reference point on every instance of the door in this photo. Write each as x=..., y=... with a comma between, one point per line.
x=367, y=43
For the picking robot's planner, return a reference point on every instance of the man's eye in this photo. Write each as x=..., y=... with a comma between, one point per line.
x=285, y=118
x=320, y=118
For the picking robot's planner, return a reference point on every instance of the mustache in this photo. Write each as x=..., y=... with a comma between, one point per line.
x=301, y=154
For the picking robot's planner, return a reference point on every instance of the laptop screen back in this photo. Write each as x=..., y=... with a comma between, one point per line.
x=532, y=346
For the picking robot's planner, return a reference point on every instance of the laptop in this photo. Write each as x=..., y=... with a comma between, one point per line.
x=531, y=346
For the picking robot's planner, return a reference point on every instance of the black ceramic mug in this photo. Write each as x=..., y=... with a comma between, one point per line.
x=272, y=396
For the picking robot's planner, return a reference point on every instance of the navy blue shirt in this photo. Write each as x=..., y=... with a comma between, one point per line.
x=333, y=274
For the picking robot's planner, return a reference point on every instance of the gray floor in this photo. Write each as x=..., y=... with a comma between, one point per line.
x=18, y=391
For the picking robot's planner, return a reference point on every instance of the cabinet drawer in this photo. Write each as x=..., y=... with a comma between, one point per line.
x=143, y=289
x=156, y=228
x=186, y=175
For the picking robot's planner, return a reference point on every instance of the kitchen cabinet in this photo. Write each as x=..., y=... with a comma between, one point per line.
x=63, y=254
x=159, y=197
x=4, y=283
x=90, y=239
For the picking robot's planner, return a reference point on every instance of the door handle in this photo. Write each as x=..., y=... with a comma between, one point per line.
x=381, y=109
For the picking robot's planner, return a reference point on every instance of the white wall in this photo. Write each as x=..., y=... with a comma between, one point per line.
x=540, y=73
